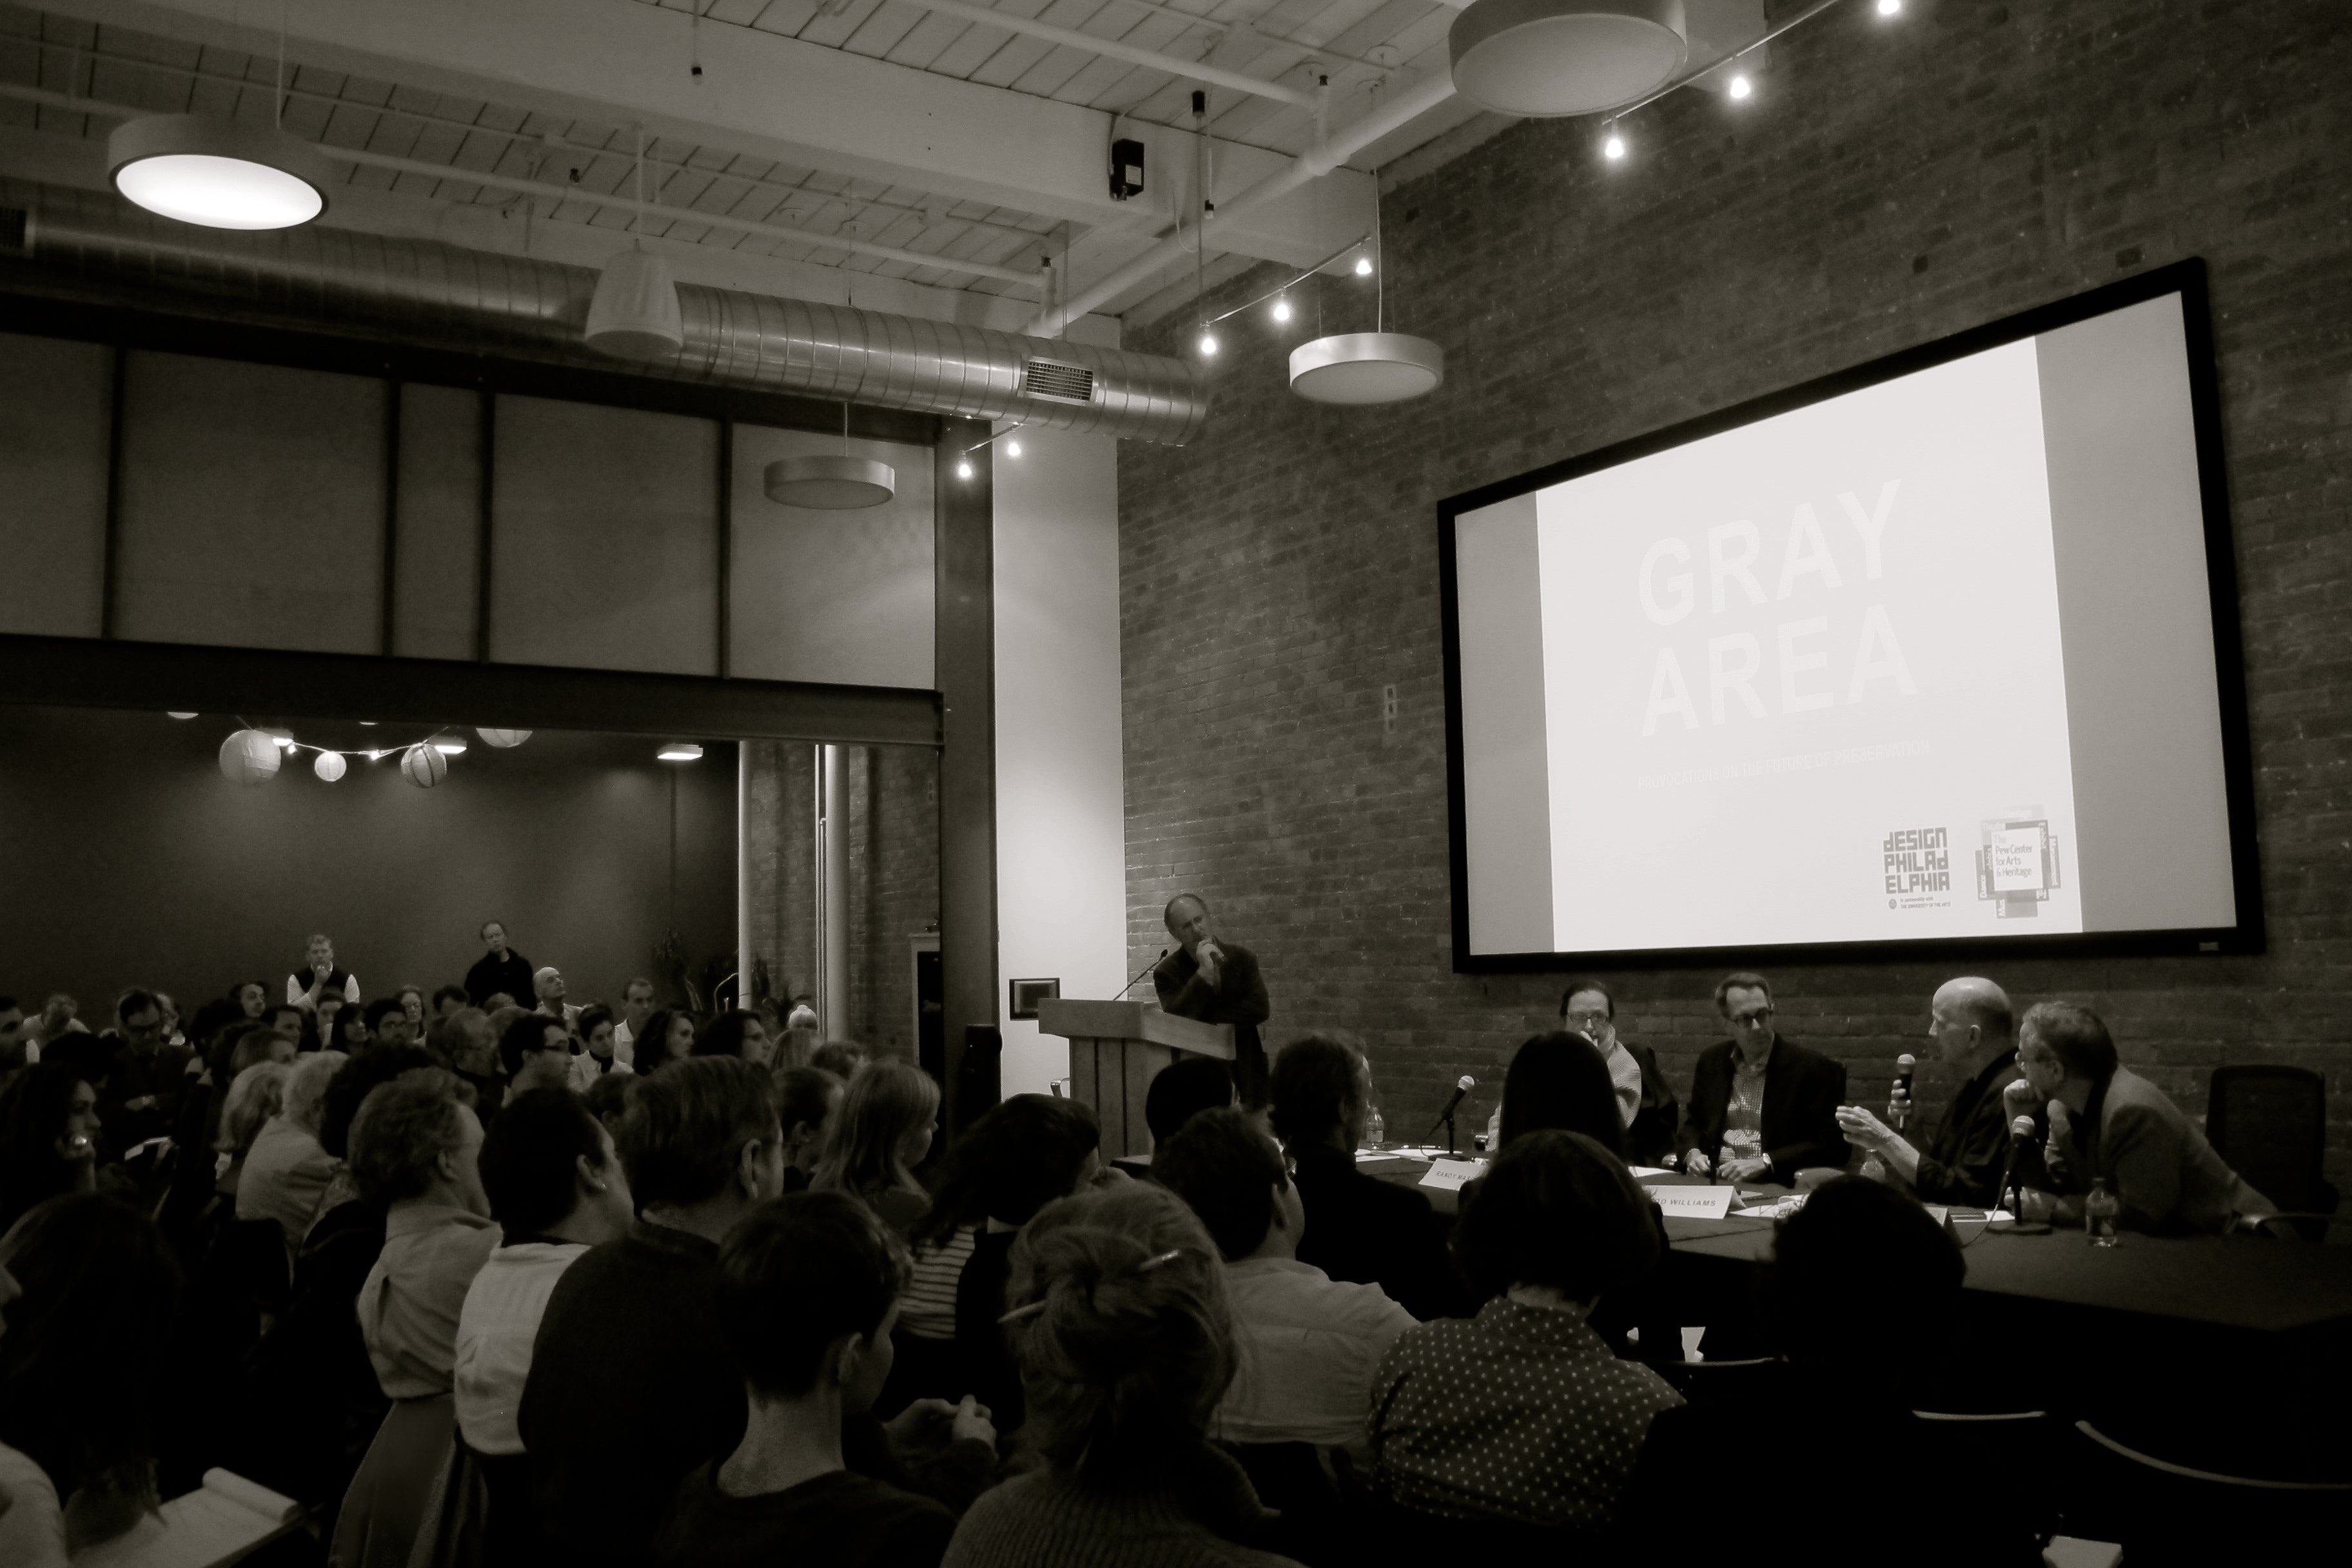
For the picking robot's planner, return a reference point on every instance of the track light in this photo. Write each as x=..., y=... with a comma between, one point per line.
x=1613, y=148
x=1363, y=267
x=963, y=469
x=679, y=752
x=1741, y=87
x=1282, y=307
x=1208, y=345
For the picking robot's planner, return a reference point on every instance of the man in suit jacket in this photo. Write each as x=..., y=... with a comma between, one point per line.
x=1216, y=982
x=1762, y=1106
x=2106, y=1122
x=1970, y=1021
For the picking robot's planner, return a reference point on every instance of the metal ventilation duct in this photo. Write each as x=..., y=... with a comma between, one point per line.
x=443, y=296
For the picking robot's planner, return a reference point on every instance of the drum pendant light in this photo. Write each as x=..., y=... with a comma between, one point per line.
x=826, y=481
x=1565, y=57
x=220, y=173
x=1378, y=366
x=634, y=315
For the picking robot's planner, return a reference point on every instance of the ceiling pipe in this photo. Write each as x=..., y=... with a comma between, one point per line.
x=1195, y=70
x=1031, y=280
x=1310, y=165
x=93, y=246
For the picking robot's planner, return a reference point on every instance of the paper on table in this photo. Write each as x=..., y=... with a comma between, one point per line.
x=1641, y=1171
x=1447, y=1176
x=1692, y=1203
x=2072, y=1551
x=220, y=1521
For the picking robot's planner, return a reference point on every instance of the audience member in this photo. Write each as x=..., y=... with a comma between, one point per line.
x=806, y=1100
x=628, y=1360
x=1012, y=1160
x=353, y=1031
x=1762, y=1107
x=1307, y=1345
x=502, y=970
x=1523, y=1414
x=286, y=1173
x=471, y=1045
x=875, y=1140
x=808, y=1293
x=412, y=1000
x=636, y=1009
x=449, y=1000
x=144, y=1075
x=1183, y=1088
x=597, y=1055
x=294, y=1023
x=324, y=1020
x=59, y=1018
x=547, y=987
x=1970, y=1023
x=557, y=1188
x=1865, y=1289
x=12, y=1039
x=388, y=1022
x=88, y=1292
x=607, y=1099
x=536, y=1050
x=252, y=999
x=1125, y=1344
x=256, y=1095
x=319, y=976
x=1561, y=1081
x=415, y=1153
x=668, y=1036
x=842, y=1058
x=1359, y=1229
x=738, y=1032
x=48, y=1136
x=2107, y=1123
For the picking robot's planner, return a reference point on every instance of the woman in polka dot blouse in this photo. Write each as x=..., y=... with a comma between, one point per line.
x=1523, y=1413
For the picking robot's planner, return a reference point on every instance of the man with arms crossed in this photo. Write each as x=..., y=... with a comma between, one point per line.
x=501, y=969
x=1216, y=982
x=1762, y=1106
x=1970, y=1023
x=319, y=975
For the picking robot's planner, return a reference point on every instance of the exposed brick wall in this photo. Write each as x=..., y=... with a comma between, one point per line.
x=1890, y=184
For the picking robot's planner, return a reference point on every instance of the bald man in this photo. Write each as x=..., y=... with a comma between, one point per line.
x=1217, y=983
x=1973, y=1029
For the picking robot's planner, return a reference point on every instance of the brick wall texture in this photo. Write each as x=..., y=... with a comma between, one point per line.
x=1888, y=184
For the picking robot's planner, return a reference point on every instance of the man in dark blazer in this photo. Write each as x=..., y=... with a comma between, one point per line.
x=1216, y=982
x=1970, y=1021
x=1765, y=1101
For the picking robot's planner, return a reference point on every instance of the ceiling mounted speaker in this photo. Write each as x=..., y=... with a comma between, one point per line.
x=1565, y=56
x=220, y=173
x=634, y=315
x=1366, y=367
x=832, y=482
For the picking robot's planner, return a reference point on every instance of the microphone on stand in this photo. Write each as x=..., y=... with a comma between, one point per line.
x=2020, y=1133
x=1140, y=973
x=1445, y=1117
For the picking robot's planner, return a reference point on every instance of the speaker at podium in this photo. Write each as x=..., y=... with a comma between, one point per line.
x=1115, y=1050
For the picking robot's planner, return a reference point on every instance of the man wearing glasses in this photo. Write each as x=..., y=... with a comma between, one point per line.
x=1762, y=1106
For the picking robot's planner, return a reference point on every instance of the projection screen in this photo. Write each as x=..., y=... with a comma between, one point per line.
x=1942, y=650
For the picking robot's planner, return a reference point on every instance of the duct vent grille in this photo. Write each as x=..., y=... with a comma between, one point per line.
x=1061, y=383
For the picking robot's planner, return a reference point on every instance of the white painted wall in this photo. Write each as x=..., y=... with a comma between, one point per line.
x=1061, y=815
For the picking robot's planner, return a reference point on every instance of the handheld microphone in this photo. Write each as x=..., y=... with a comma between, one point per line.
x=1140, y=973
x=1899, y=1099
x=1462, y=1087
x=1907, y=1068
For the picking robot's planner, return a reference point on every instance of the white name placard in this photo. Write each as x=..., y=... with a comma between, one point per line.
x=1447, y=1176
x=1694, y=1202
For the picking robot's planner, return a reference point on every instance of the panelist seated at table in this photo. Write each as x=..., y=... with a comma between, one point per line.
x=1646, y=1101
x=1359, y=1229
x=1524, y=1414
x=1971, y=1023
x=2107, y=1123
x=1762, y=1106
x=1305, y=1345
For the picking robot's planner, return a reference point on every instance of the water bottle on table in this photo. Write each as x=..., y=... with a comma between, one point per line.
x=2099, y=1212
x=1375, y=1130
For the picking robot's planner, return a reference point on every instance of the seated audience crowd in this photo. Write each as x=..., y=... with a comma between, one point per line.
x=478, y=1283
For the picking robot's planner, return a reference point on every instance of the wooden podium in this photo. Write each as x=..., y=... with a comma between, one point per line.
x=1116, y=1049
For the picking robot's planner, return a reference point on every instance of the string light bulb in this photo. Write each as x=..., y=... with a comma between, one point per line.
x=1613, y=148
x=963, y=469
x=1889, y=8
x=1208, y=345
x=1363, y=267
x=1012, y=448
x=1282, y=307
x=1741, y=87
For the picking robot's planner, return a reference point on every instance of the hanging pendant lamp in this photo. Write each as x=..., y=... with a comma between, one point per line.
x=634, y=315
x=1565, y=57
x=220, y=173
x=1378, y=366
x=831, y=481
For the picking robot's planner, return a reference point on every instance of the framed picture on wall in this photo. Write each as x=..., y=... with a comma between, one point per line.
x=1027, y=993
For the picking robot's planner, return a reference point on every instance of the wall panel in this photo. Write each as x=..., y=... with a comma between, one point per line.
x=53, y=411
x=438, y=523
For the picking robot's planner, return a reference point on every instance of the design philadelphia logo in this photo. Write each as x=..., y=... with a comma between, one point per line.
x=1916, y=861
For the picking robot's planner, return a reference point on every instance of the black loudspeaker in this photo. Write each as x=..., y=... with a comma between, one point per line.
x=1125, y=169
x=979, y=1077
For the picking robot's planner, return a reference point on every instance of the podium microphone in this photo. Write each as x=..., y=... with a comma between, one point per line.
x=1140, y=973
x=1462, y=1087
x=2020, y=1133
x=1906, y=1067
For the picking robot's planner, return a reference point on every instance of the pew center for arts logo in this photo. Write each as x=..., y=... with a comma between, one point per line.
x=1916, y=868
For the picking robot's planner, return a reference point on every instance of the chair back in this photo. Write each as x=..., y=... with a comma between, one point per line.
x=2269, y=1122
x=2165, y=1514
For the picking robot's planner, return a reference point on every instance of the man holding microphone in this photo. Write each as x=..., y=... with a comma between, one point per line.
x=1973, y=1029
x=1215, y=982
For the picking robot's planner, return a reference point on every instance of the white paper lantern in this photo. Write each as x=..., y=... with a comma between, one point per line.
x=248, y=757
x=330, y=766
x=503, y=739
x=424, y=766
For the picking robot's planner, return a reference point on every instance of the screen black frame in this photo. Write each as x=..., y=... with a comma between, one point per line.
x=2185, y=278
